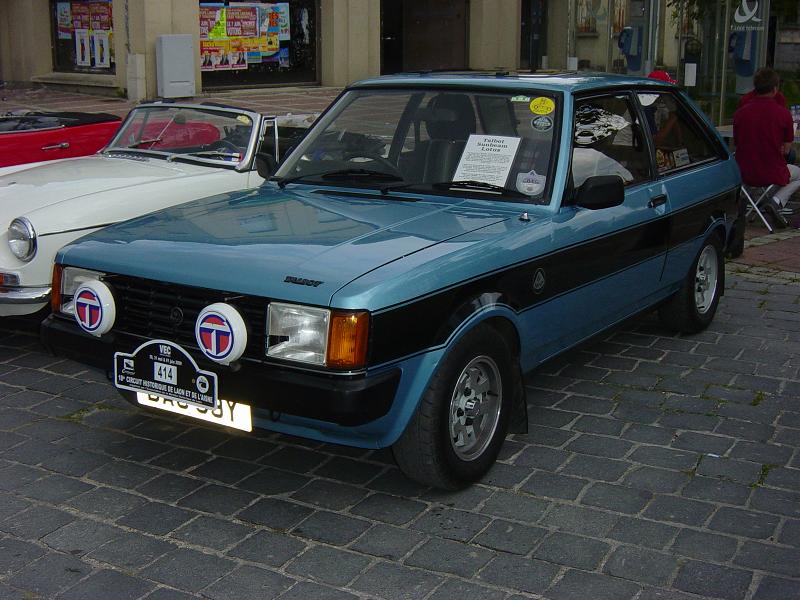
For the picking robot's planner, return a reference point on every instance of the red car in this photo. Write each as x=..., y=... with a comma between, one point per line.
x=39, y=136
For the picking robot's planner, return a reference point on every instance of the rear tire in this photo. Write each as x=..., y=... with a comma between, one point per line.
x=455, y=434
x=694, y=305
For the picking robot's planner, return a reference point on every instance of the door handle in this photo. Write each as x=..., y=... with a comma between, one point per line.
x=657, y=201
x=61, y=146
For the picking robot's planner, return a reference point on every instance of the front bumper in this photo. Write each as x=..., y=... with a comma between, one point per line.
x=24, y=295
x=344, y=400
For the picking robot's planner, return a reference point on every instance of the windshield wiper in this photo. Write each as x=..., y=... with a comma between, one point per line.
x=355, y=174
x=140, y=142
x=478, y=186
x=202, y=153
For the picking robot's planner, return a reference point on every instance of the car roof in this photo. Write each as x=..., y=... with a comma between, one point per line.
x=570, y=81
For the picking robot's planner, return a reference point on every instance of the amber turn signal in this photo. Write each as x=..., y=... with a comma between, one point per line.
x=55, y=291
x=347, y=341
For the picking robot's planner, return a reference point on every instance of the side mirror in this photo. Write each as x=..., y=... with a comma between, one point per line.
x=600, y=191
x=266, y=164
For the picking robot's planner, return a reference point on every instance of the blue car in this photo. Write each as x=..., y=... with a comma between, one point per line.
x=431, y=238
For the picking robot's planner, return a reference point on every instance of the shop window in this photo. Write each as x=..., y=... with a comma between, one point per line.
x=678, y=142
x=258, y=43
x=608, y=140
x=83, y=36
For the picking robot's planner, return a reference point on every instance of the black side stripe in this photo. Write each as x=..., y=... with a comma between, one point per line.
x=428, y=321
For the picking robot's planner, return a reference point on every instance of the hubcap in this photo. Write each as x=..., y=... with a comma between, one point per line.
x=705, y=279
x=475, y=408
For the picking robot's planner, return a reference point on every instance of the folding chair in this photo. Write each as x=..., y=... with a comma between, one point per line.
x=754, y=204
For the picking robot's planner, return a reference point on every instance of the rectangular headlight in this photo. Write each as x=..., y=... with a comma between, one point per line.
x=71, y=279
x=298, y=333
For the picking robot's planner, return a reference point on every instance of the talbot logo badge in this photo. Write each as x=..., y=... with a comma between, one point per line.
x=89, y=309
x=215, y=335
x=539, y=280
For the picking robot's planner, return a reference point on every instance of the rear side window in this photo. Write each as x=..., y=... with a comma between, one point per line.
x=678, y=140
x=608, y=140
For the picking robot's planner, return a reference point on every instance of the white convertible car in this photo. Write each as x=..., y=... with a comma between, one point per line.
x=164, y=154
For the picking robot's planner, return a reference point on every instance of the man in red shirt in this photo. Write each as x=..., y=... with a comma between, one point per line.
x=763, y=133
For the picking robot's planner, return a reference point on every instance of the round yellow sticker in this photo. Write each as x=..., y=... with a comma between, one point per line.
x=542, y=106
x=244, y=119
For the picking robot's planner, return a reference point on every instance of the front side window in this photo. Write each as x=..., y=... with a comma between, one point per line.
x=186, y=132
x=677, y=140
x=435, y=140
x=608, y=140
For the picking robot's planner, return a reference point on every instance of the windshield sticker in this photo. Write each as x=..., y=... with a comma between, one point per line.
x=681, y=157
x=244, y=119
x=520, y=98
x=487, y=158
x=531, y=183
x=542, y=106
x=542, y=123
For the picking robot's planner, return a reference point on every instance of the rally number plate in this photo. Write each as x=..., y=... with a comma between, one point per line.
x=164, y=369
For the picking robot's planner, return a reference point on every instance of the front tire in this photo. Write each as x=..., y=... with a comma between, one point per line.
x=694, y=305
x=455, y=434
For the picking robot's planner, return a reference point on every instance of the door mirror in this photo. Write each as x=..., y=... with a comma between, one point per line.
x=266, y=164
x=600, y=191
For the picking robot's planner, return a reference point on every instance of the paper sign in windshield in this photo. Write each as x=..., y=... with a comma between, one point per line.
x=487, y=158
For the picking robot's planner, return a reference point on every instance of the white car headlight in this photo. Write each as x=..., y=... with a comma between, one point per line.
x=71, y=279
x=22, y=239
x=298, y=333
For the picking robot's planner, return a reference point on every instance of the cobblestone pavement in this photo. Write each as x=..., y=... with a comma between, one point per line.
x=657, y=467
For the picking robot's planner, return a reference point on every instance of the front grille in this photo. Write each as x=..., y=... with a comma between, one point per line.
x=144, y=309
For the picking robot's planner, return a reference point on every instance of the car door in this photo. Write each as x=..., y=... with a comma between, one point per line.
x=687, y=161
x=613, y=257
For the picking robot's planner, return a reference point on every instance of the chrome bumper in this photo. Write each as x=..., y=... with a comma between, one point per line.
x=24, y=295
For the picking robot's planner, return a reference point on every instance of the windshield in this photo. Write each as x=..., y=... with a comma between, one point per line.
x=187, y=133
x=456, y=141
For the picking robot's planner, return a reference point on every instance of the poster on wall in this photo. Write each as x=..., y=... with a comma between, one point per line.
x=80, y=16
x=100, y=16
x=212, y=21
x=284, y=32
x=64, y=20
x=102, y=49
x=82, y=50
x=241, y=22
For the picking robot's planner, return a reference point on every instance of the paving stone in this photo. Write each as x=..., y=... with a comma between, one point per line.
x=387, y=542
x=662, y=594
x=329, y=494
x=679, y=510
x=269, y=482
x=578, y=585
x=454, y=588
x=156, y=518
x=106, y=503
x=449, y=557
x=130, y=551
x=773, y=588
x=762, y=453
x=294, y=459
x=513, y=505
x=548, y=436
x=505, y=476
x=716, y=490
x=746, y=430
x=541, y=457
x=331, y=528
x=640, y=564
x=74, y=462
x=776, y=501
x=121, y=473
x=36, y=522
x=703, y=442
x=616, y=497
x=585, y=404
x=169, y=487
x=600, y=446
x=225, y=470
x=217, y=499
x=636, y=414
x=518, y=573
x=510, y=537
x=180, y=459
x=572, y=550
x=389, y=509
x=766, y=557
x=706, y=579
x=50, y=574
x=704, y=546
x=577, y=519
x=266, y=547
x=98, y=585
x=395, y=582
x=305, y=590
x=734, y=470
x=643, y=533
x=665, y=458
x=452, y=524
x=136, y=449
x=54, y=489
x=81, y=536
x=201, y=438
x=188, y=569
x=11, y=505
x=16, y=554
x=594, y=467
x=790, y=533
x=328, y=565
x=552, y=485
x=655, y=480
x=744, y=523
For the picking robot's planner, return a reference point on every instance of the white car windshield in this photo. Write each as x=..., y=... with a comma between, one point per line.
x=450, y=141
x=193, y=133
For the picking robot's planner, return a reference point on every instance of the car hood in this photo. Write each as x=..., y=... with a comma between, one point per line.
x=300, y=245
x=25, y=191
